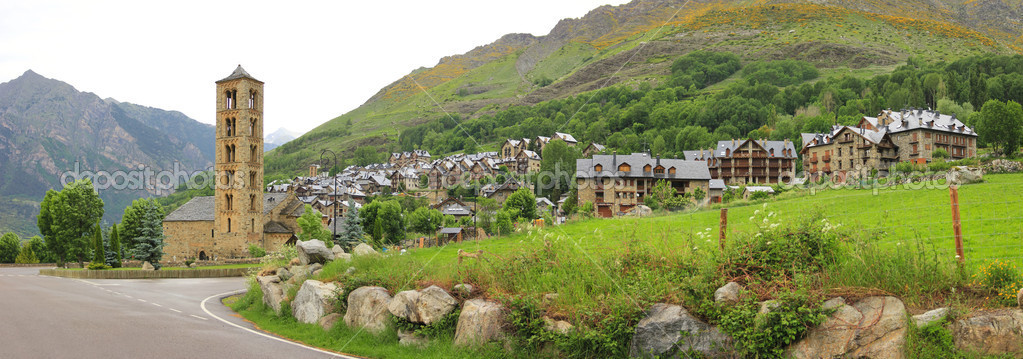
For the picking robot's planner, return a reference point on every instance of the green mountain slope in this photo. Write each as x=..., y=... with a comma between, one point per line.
x=635, y=43
x=48, y=128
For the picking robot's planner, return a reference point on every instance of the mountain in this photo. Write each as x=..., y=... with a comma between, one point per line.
x=636, y=43
x=48, y=128
x=279, y=137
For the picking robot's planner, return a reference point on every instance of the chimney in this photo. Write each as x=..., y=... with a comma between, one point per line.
x=658, y=159
x=614, y=159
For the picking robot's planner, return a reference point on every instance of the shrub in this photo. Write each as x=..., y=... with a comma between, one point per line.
x=1001, y=279
x=778, y=252
x=931, y=341
x=98, y=265
x=766, y=335
x=256, y=251
x=445, y=327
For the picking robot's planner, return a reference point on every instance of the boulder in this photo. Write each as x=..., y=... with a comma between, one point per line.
x=728, y=294
x=147, y=266
x=313, y=251
x=343, y=256
x=965, y=175
x=337, y=250
x=408, y=338
x=299, y=271
x=557, y=326
x=403, y=305
x=329, y=321
x=462, y=289
x=284, y=273
x=874, y=327
x=364, y=249
x=930, y=317
x=294, y=262
x=316, y=273
x=480, y=322
x=313, y=300
x=434, y=303
x=367, y=308
x=990, y=332
x=350, y=271
x=1019, y=298
x=193, y=265
x=273, y=291
x=660, y=334
x=315, y=267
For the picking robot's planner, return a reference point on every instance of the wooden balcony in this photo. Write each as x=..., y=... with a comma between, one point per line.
x=827, y=158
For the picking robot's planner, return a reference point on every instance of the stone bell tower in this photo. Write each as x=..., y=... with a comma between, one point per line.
x=238, y=197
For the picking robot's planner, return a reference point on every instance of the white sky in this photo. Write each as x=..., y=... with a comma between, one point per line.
x=318, y=60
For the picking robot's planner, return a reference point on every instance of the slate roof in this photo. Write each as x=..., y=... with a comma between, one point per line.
x=202, y=208
x=276, y=227
x=690, y=170
x=238, y=73
x=450, y=230
x=820, y=139
x=914, y=119
x=777, y=146
x=196, y=209
x=717, y=184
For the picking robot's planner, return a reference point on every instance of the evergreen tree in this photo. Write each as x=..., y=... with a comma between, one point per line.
x=26, y=255
x=115, y=247
x=352, y=227
x=99, y=254
x=149, y=246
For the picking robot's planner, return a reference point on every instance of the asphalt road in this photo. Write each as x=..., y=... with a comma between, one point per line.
x=50, y=317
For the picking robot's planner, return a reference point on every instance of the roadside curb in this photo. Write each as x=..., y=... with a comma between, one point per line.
x=145, y=274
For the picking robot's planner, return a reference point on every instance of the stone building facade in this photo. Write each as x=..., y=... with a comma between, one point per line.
x=847, y=149
x=617, y=184
x=239, y=214
x=918, y=133
x=749, y=161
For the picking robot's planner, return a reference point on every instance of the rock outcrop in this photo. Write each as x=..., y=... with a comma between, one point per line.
x=147, y=266
x=930, y=317
x=729, y=293
x=874, y=327
x=329, y=321
x=313, y=300
x=403, y=305
x=660, y=334
x=313, y=251
x=364, y=249
x=426, y=306
x=367, y=308
x=480, y=322
x=990, y=332
x=273, y=291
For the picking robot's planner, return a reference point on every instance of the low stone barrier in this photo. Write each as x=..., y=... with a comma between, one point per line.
x=145, y=274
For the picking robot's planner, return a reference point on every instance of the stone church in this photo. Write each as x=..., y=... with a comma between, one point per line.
x=239, y=214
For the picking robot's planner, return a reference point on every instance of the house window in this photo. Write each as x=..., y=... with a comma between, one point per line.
x=659, y=170
x=252, y=99
x=252, y=127
x=598, y=168
x=252, y=153
x=646, y=168
x=228, y=225
x=671, y=170
x=625, y=167
x=252, y=225
x=252, y=202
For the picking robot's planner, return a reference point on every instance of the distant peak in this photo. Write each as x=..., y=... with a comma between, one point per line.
x=29, y=74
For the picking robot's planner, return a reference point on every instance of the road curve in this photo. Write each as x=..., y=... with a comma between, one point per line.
x=50, y=317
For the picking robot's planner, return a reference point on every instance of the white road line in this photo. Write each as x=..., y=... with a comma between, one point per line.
x=174, y=310
x=142, y=300
x=129, y=297
x=196, y=316
x=221, y=295
x=156, y=304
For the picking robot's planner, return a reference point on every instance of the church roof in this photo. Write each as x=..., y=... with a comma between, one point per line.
x=197, y=209
x=238, y=73
x=276, y=227
x=202, y=208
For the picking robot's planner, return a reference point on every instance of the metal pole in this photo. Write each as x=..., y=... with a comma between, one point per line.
x=333, y=220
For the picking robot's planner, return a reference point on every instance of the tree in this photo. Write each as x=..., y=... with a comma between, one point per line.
x=149, y=245
x=132, y=221
x=39, y=249
x=424, y=181
x=485, y=208
x=425, y=220
x=391, y=222
x=9, y=247
x=99, y=253
x=571, y=202
x=369, y=218
x=26, y=256
x=523, y=202
x=311, y=224
x=353, y=231
x=503, y=223
x=66, y=218
x=115, y=247
x=1001, y=125
x=661, y=193
x=557, y=168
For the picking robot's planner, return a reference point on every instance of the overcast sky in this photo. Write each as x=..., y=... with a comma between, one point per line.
x=318, y=60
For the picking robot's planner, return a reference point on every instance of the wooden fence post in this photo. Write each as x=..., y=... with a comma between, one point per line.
x=724, y=228
x=957, y=227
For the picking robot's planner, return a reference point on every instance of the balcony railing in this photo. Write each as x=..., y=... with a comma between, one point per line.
x=827, y=158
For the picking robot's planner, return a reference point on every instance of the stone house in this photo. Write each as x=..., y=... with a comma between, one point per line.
x=847, y=149
x=527, y=162
x=617, y=184
x=749, y=161
x=592, y=149
x=511, y=147
x=918, y=133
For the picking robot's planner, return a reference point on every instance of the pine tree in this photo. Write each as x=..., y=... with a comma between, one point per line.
x=115, y=246
x=353, y=231
x=98, y=252
x=149, y=246
x=27, y=255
